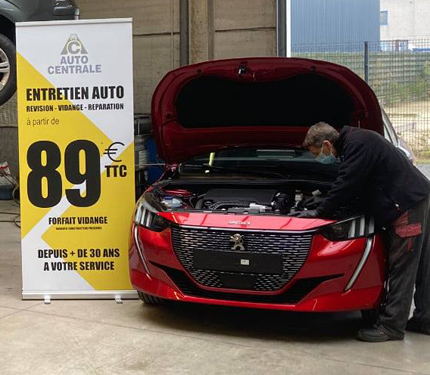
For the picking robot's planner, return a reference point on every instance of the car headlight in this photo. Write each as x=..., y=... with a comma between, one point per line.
x=148, y=217
x=350, y=229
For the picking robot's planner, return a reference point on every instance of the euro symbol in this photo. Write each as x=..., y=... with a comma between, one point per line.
x=111, y=151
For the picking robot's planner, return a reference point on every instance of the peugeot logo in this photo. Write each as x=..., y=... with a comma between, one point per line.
x=237, y=240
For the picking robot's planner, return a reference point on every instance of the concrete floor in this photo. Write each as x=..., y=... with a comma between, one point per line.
x=101, y=337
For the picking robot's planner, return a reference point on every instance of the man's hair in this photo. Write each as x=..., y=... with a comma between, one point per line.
x=319, y=133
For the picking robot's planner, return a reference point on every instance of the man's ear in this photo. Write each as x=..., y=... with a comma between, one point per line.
x=327, y=147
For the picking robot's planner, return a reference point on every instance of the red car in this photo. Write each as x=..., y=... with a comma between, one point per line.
x=215, y=228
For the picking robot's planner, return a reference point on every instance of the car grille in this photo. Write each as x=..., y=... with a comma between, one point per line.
x=293, y=247
x=300, y=289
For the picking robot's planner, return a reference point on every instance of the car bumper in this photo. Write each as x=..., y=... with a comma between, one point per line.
x=321, y=284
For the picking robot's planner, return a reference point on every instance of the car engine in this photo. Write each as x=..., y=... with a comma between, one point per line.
x=241, y=201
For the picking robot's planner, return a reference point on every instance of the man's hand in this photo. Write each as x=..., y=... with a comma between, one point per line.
x=305, y=214
x=314, y=202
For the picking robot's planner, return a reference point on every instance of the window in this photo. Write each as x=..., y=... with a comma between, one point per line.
x=383, y=18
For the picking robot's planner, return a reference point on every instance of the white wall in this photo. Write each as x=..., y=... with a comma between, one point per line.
x=407, y=19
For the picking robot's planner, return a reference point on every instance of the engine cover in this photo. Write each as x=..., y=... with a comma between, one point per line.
x=263, y=197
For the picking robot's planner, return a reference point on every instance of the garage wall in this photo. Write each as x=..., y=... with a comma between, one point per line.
x=156, y=39
x=218, y=29
x=244, y=28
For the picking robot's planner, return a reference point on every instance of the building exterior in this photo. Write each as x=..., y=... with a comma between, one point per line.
x=325, y=23
x=405, y=19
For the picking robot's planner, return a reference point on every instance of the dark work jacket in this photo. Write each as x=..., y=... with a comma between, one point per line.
x=375, y=170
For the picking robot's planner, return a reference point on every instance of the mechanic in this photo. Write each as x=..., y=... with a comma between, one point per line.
x=397, y=195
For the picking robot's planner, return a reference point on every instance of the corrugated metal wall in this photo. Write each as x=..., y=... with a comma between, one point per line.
x=334, y=21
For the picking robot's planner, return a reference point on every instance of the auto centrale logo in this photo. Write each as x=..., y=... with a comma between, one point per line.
x=74, y=59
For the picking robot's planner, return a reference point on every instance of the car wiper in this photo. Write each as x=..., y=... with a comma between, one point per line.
x=239, y=170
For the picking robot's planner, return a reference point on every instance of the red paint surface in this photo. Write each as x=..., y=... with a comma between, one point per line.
x=244, y=221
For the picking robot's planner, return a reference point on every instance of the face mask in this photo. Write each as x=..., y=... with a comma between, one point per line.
x=326, y=159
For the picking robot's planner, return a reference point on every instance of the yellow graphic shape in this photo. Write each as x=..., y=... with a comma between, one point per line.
x=114, y=204
x=36, y=125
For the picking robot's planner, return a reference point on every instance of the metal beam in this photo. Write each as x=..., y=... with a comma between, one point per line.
x=366, y=62
x=184, y=34
x=283, y=27
x=288, y=27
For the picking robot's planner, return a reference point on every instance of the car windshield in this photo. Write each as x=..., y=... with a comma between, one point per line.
x=285, y=163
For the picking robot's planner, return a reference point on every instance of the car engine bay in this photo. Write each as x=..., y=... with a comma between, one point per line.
x=261, y=200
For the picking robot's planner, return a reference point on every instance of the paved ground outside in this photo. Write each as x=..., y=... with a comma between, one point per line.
x=102, y=337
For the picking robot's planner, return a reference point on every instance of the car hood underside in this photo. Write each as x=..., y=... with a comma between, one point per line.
x=267, y=102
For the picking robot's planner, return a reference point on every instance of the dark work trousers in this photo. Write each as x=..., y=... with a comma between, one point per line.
x=408, y=256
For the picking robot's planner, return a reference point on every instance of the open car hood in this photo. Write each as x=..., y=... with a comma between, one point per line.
x=255, y=102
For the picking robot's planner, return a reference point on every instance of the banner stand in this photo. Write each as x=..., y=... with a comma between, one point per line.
x=117, y=295
x=76, y=145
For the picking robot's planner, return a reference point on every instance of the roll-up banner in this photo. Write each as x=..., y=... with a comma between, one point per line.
x=75, y=104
